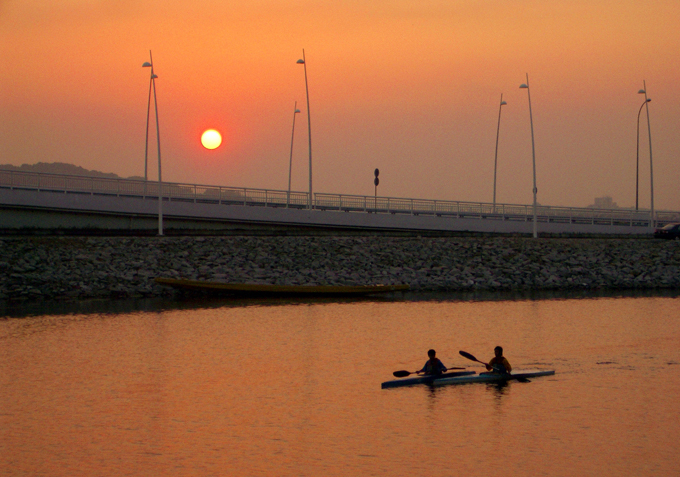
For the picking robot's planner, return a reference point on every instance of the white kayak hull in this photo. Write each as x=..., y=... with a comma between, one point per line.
x=424, y=379
x=495, y=377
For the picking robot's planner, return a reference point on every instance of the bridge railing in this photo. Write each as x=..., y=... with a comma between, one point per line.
x=340, y=202
x=483, y=210
x=150, y=189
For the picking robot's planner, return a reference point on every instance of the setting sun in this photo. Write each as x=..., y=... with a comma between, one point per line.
x=211, y=139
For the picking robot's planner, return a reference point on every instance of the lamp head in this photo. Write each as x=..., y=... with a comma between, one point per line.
x=300, y=62
x=147, y=65
x=154, y=76
x=297, y=110
x=503, y=103
x=642, y=91
x=524, y=86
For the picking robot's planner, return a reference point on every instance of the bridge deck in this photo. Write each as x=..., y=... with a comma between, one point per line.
x=92, y=195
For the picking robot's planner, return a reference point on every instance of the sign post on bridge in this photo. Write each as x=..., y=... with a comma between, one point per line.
x=376, y=181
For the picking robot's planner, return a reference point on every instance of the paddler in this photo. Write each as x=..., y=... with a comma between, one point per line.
x=498, y=363
x=433, y=366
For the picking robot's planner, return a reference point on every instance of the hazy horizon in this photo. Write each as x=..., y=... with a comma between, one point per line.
x=600, y=202
x=411, y=89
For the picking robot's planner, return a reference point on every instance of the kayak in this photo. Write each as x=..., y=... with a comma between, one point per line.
x=466, y=377
x=252, y=289
x=424, y=379
x=496, y=377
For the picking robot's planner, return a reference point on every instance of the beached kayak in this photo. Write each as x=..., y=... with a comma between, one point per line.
x=519, y=374
x=276, y=290
x=424, y=379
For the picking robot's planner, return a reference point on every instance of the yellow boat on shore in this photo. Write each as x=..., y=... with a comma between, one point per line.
x=269, y=290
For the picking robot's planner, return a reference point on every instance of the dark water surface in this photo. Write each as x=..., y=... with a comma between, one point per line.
x=279, y=388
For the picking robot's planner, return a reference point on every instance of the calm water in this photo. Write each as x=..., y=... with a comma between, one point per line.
x=286, y=389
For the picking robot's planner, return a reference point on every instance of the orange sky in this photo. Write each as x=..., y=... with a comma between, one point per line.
x=409, y=87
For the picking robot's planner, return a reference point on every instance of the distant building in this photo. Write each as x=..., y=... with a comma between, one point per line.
x=605, y=202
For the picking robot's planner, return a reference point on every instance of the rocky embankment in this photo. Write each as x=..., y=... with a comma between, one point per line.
x=66, y=267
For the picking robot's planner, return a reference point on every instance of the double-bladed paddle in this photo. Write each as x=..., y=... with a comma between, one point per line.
x=467, y=355
x=472, y=358
x=404, y=373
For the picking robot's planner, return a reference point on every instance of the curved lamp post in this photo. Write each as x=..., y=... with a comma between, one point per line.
x=309, y=126
x=290, y=165
x=148, y=113
x=533, y=148
x=149, y=64
x=637, y=154
x=495, y=161
x=651, y=169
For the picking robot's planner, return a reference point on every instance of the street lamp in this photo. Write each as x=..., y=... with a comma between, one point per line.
x=148, y=113
x=533, y=148
x=309, y=126
x=637, y=159
x=149, y=64
x=290, y=165
x=651, y=169
x=495, y=162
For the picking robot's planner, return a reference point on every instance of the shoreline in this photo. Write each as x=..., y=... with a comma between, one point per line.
x=76, y=268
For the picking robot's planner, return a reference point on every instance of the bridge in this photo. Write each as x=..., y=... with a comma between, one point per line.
x=47, y=202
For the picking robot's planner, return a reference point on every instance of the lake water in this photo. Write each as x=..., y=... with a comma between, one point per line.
x=275, y=388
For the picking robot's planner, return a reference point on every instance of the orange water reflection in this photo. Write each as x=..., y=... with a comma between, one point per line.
x=295, y=390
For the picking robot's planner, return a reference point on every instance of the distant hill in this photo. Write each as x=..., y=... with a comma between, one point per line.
x=63, y=168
